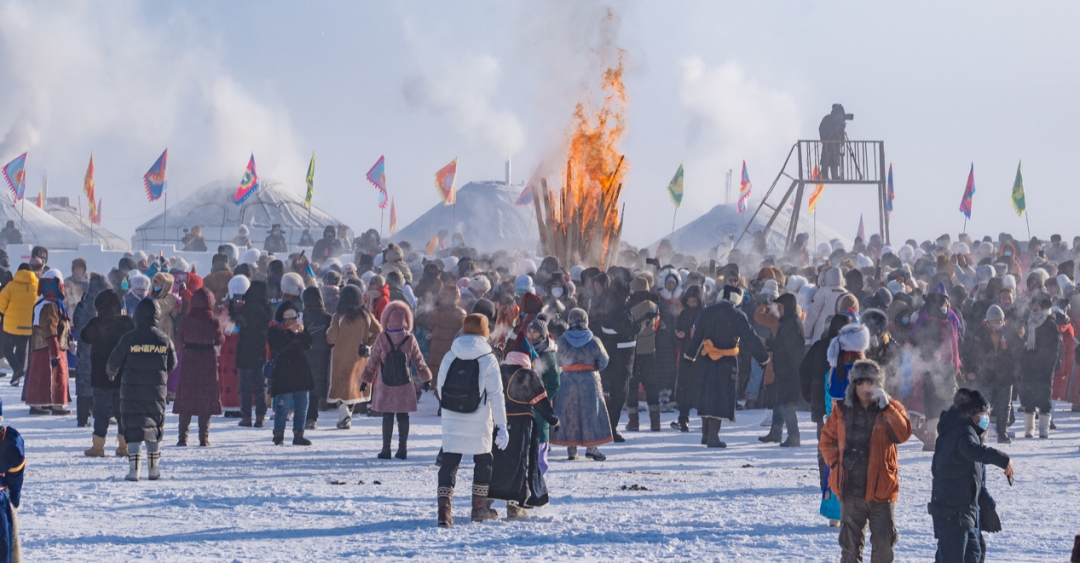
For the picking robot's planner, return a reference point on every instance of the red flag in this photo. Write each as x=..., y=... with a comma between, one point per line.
x=393, y=217
x=97, y=213
x=444, y=180
x=88, y=188
x=969, y=191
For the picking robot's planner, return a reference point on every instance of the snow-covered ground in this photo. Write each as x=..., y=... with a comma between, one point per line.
x=244, y=499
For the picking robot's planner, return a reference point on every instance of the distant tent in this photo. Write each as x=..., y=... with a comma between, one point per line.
x=61, y=209
x=37, y=226
x=723, y=224
x=211, y=207
x=486, y=217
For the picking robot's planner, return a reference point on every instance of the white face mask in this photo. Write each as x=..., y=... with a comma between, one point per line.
x=556, y=292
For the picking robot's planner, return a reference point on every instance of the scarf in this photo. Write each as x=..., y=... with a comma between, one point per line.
x=1035, y=320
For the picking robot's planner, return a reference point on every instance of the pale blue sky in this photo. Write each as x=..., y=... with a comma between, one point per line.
x=710, y=83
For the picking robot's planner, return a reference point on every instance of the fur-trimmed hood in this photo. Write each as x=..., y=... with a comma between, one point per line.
x=852, y=338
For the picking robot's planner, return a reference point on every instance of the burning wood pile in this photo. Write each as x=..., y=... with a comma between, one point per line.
x=581, y=223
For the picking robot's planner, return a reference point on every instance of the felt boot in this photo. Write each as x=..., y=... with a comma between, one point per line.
x=480, y=510
x=633, y=422
x=446, y=517
x=1044, y=425
x=714, y=433
x=135, y=464
x=98, y=449
x=204, y=432
x=121, y=447
x=155, y=465
x=1029, y=425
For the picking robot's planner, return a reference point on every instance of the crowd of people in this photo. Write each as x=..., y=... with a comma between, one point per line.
x=938, y=340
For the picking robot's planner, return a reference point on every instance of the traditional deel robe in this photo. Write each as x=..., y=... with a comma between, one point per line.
x=516, y=476
x=12, y=463
x=719, y=333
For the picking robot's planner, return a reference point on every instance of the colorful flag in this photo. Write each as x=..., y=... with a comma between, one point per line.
x=861, y=233
x=15, y=174
x=744, y=189
x=444, y=180
x=97, y=213
x=527, y=195
x=393, y=217
x=969, y=191
x=675, y=187
x=892, y=195
x=248, y=183
x=41, y=198
x=811, y=204
x=154, y=180
x=1018, y=200
x=88, y=188
x=310, y=182
x=377, y=176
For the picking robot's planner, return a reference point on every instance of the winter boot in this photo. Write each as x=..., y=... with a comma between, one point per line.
x=98, y=449
x=446, y=516
x=791, y=442
x=480, y=510
x=1044, y=425
x=704, y=432
x=204, y=432
x=631, y=426
x=515, y=511
x=403, y=437
x=121, y=448
x=311, y=425
x=298, y=439
x=185, y=424
x=136, y=465
x=773, y=437
x=155, y=462
x=571, y=453
x=259, y=421
x=594, y=454
x=654, y=418
x=387, y=435
x=682, y=425
x=83, y=406
x=714, y=433
x=279, y=438
x=246, y=421
x=344, y=416
x=1029, y=425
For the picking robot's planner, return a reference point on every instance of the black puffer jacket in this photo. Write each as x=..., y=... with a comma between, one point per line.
x=254, y=321
x=814, y=369
x=958, y=467
x=316, y=323
x=787, y=349
x=292, y=372
x=146, y=356
x=101, y=335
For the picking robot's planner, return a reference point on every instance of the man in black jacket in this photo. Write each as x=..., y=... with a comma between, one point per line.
x=146, y=356
x=101, y=335
x=959, y=457
x=254, y=321
x=618, y=330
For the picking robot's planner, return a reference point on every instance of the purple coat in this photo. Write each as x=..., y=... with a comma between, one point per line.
x=197, y=392
x=397, y=322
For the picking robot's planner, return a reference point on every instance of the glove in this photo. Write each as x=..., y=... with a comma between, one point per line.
x=880, y=397
x=426, y=386
x=54, y=362
x=363, y=387
x=502, y=437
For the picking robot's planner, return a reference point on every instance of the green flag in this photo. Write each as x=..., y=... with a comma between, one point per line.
x=1018, y=193
x=310, y=181
x=675, y=188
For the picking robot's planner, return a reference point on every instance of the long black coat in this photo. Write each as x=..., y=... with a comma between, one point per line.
x=254, y=321
x=727, y=327
x=787, y=349
x=102, y=334
x=146, y=356
x=292, y=372
x=317, y=322
x=957, y=468
x=1038, y=367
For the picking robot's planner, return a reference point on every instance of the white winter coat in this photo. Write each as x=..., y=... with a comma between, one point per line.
x=470, y=434
x=824, y=305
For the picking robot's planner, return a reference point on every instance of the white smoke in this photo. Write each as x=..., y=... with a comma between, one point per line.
x=733, y=118
x=81, y=75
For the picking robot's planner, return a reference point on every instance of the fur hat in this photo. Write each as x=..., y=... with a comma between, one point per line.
x=794, y=284
x=863, y=370
x=475, y=324
x=895, y=287
x=970, y=401
x=239, y=285
x=292, y=284
x=852, y=338
x=1064, y=282
x=731, y=294
x=479, y=285
x=578, y=319
x=527, y=266
x=770, y=290
x=1009, y=282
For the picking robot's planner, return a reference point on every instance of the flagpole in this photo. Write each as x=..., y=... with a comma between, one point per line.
x=673, y=215
x=165, y=219
x=965, y=225
x=1028, y=221
x=382, y=217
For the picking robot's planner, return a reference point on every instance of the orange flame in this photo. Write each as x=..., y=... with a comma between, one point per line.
x=584, y=223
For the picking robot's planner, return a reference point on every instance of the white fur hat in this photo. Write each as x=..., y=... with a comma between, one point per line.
x=852, y=338
x=770, y=289
x=449, y=263
x=292, y=284
x=1064, y=282
x=251, y=257
x=960, y=248
x=527, y=267
x=806, y=296
x=239, y=285
x=795, y=283
x=906, y=253
x=1009, y=281
x=862, y=261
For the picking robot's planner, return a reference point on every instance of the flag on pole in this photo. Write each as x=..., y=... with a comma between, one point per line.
x=444, y=180
x=310, y=182
x=527, y=195
x=393, y=217
x=744, y=189
x=41, y=198
x=97, y=213
x=969, y=191
x=15, y=174
x=249, y=182
x=154, y=180
x=811, y=204
x=377, y=176
x=861, y=233
x=1018, y=201
x=675, y=187
x=891, y=194
x=88, y=188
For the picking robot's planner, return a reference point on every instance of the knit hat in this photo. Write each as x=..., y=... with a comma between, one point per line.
x=475, y=324
x=523, y=284
x=578, y=319
x=994, y=313
x=540, y=325
x=486, y=308
x=575, y=273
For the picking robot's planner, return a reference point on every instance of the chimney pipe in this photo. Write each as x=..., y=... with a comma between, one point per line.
x=508, y=170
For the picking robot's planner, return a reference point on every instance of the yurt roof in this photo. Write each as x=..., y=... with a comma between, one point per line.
x=37, y=226
x=721, y=225
x=485, y=215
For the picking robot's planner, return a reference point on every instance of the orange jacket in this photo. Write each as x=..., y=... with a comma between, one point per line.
x=891, y=427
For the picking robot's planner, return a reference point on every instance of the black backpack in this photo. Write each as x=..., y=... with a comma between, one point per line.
x=395, y=366
x=461, y=390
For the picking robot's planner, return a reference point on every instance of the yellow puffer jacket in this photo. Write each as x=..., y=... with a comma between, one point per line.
x=17, y=303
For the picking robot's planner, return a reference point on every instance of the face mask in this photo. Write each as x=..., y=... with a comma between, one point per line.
x=157, y=288
x=1007, y=254
x=124, y=285
x=944, y=311
x=984, y=422
x=556, y=292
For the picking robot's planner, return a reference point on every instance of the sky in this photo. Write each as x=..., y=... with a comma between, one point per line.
x=710, y=84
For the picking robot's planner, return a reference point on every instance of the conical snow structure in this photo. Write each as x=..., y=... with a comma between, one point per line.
x=486, y=216
x=37, y=226
x=212, y=209
x=723, y=224
x=61, y=209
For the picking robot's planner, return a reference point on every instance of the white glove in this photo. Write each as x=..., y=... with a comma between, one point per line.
x=881, y=397
x=502, y=437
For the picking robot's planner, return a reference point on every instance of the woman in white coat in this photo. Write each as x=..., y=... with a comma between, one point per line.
x=824, y=305
x=470, y=432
